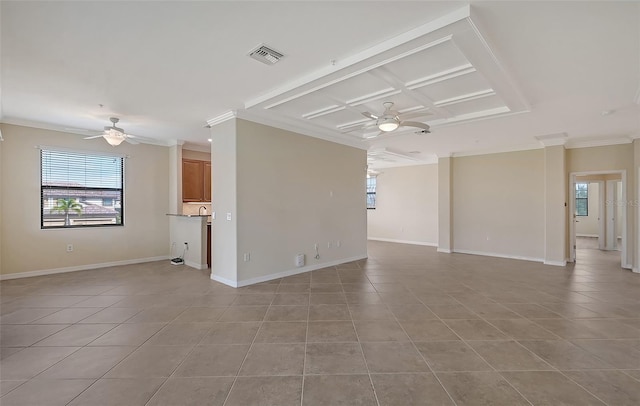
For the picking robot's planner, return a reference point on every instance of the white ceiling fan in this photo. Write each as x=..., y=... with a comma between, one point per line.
x=114, y=135
x=391, y=120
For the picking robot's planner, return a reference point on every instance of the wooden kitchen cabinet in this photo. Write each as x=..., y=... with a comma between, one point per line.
x=196, y=181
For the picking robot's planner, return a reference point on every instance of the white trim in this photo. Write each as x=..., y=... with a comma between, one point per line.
x=575, y=143
x=587, y=235
x=498, y=150
x=196, y=265
x=222, y=118
x=282, y=274
x=634, y=270
x=497, y=255
x=625, y=213
x=444, y=250
x=87, y=267
x=555, y=263
x=224, y=281
x=428, y=244
x=551, y=140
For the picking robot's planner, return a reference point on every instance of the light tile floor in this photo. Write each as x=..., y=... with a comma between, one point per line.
x=406, y=327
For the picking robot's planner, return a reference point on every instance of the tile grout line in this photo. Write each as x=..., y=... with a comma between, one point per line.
x=306, y=338
x=364, y=358
x=249, y=349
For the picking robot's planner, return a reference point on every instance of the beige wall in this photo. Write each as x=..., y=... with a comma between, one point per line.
x=498, y=204
x=27, y=248
x=294, y=192
x=609, y=158
x=407, y=205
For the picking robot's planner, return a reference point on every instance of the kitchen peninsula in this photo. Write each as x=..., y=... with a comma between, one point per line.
x=195, y=230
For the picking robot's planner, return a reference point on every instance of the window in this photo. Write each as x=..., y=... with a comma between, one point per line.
x=80, y=189
x=582, y=199
x=371, y=192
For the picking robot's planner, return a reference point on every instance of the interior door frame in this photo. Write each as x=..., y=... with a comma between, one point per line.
x=572, y=210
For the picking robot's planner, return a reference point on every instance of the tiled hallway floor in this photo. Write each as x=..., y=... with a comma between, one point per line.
x=406, y=327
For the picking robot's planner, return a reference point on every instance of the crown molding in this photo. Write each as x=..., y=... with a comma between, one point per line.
x=173, y=143
x=599, y=142
x=222, y=118
x=552, y=140
x=500, y=150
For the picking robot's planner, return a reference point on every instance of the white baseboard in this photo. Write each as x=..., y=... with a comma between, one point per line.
x=87, y=267
x=555, y=263
x=282, y=274
x=428, y=244
x=635, y=270
x=445, y=250
x=587, y=235
x=225, y=281
x=497, y=255
x=196, y=265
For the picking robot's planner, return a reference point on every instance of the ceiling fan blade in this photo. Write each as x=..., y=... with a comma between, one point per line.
x=369, y=115
x=90, y=138
x=130, y=140
x=415, y=124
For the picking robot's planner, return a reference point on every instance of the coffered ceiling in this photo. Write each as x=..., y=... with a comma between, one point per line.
x=486, y=76
x=442, y=72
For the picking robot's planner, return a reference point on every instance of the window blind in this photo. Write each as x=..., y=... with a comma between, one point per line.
x=81, y=189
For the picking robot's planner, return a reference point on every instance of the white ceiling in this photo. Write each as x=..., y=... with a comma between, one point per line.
x=494, y=76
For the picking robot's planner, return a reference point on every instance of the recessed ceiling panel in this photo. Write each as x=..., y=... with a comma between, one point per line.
x=336, y=118
x=301, y=106
x=401, y=102
x=456, y=86
x=471, y=106
x=355, y=88
x=429, y=62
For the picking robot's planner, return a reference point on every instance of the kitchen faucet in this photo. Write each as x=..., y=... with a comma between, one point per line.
x=200, y=208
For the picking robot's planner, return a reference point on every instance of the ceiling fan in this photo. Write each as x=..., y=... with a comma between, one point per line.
x=114, y=135
x=391, y=120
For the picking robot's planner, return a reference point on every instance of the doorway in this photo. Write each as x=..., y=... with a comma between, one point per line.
x=598, y=215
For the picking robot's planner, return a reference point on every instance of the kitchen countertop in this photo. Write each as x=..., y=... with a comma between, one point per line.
x=188, y=215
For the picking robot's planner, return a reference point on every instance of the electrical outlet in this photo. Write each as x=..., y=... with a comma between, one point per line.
x=315, y=247
x=228, y=216
x=247, y=257
x=329, y=244
x=186, y=246
x=69, y=247
x=338, y=243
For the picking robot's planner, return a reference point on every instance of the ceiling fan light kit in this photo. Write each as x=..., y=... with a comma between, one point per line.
x=387, y=124
x=390, y=120
x=114, y=135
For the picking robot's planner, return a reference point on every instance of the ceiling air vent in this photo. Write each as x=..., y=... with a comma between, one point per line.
x=265, y=55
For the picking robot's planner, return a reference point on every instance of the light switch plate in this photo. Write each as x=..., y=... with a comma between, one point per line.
x=229, y=216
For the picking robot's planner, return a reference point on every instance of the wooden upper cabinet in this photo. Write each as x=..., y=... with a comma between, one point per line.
x=196, y=181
